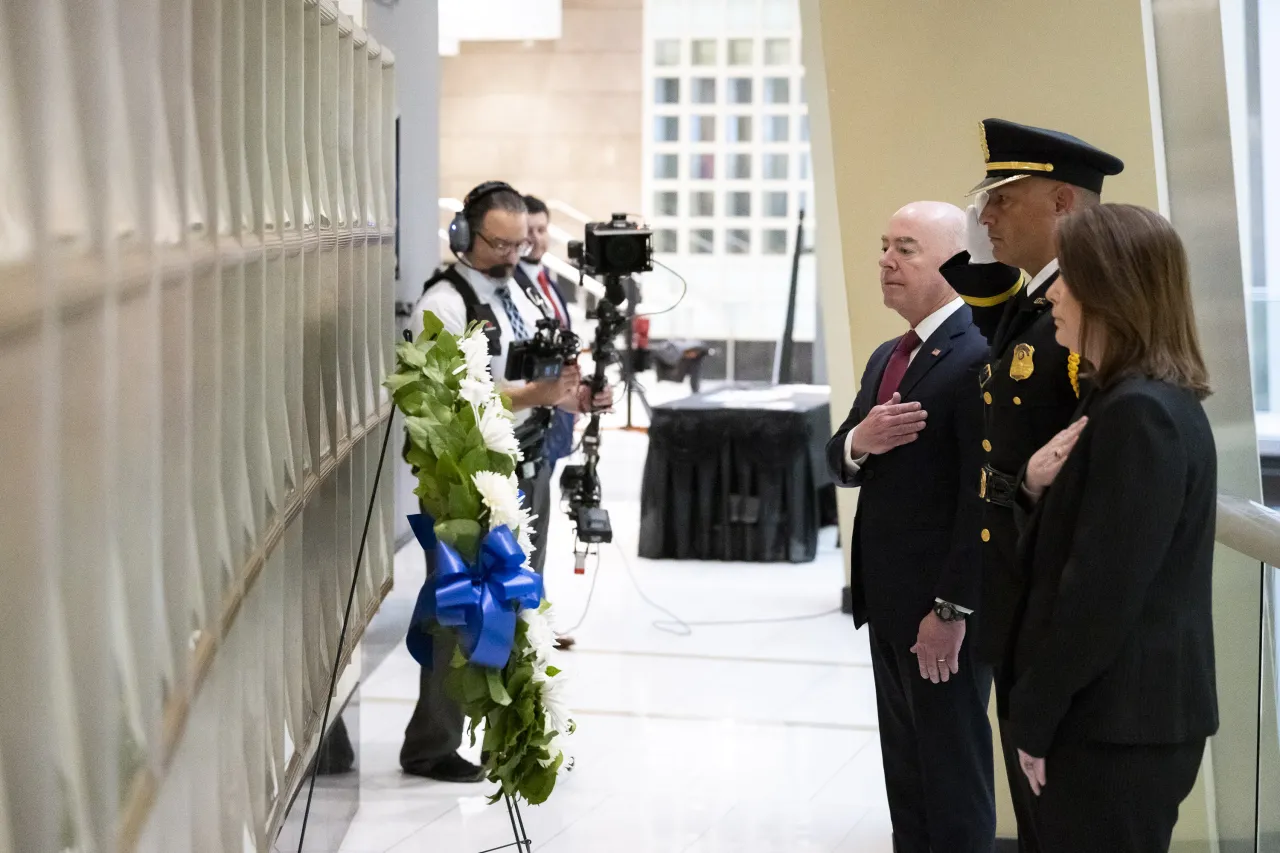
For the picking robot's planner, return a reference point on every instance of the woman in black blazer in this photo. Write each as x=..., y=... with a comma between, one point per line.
x=1114, y=691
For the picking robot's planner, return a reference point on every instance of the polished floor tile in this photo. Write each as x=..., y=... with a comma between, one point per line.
x=750, y=737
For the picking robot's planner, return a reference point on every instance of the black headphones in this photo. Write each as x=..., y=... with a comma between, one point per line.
x=461, y=238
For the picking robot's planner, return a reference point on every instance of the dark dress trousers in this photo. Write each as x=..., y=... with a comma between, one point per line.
x=1113, y=655
x=1030, y=389
x=913, y=541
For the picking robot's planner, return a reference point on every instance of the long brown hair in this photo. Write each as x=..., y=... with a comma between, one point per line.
x=1128, y=269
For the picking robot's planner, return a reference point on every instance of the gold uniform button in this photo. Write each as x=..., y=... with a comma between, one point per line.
x=1017, y=401
x=987, y=396
x=986, y=535
x=986, y=445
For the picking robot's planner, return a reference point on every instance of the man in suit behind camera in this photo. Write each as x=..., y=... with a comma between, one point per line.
x=913, y=444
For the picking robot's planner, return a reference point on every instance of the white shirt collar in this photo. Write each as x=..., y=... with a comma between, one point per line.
x=484, y=285
x=1042, y=276
x=926, y=327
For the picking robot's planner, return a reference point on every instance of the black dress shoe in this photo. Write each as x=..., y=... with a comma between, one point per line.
x=451, y=768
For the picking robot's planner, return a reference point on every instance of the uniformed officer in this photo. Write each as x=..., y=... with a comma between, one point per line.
x=1030, y=384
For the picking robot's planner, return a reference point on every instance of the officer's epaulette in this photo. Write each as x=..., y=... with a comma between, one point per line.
x=982, y=285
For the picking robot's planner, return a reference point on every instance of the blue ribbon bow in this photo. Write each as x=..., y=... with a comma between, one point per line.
x=480, y=600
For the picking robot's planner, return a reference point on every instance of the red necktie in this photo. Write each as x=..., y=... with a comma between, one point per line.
x=897, y=366
x=545, y=282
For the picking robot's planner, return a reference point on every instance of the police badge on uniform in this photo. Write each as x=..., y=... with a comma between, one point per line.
x=1023, y=362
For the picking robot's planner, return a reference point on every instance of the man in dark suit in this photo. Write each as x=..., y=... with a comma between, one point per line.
x=912, y=442
x=1030, y=387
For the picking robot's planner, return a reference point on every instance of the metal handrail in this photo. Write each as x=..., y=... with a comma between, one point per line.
x=1249, y=528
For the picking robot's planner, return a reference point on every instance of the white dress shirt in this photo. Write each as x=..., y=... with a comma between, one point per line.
x=446, y=303
x=1042, y=276
x=924, y=329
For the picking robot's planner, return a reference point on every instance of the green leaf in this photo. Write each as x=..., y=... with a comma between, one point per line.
x=409, y=354
x=396, y=381
x=538, y=785
x=519, y=679
x=475, y=461
x=432, y=326
x=475, y=683
x=447, y=470
x=423, y=460
x=552, y=672
x=462, y=534
x=501, y=463
x=497, y=691
x=464, y=502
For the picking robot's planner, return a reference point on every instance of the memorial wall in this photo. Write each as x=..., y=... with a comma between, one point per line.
x=197, y=257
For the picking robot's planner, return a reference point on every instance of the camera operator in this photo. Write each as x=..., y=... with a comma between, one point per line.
x=488, y=237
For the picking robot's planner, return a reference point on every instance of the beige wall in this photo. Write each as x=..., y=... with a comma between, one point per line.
x=557, y=119
x=897, y=90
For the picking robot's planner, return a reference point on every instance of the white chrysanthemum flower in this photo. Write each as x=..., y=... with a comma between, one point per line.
x=475, y=356
x=477, y=392
x=526, y=543
x=497, y=428
x=541, y=639
x=502, y=496
x=554, y=700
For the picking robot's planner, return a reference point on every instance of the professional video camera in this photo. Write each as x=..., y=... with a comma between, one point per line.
x=542, y=357
x=609, y=251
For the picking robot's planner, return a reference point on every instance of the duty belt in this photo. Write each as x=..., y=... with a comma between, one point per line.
x=997, y=487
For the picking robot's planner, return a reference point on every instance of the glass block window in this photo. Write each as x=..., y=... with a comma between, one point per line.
x=666, y=129
x=737, y=241
x=703, y=90
x=704, y=52
x=775, y=167
x=777, y=90
x=702, y=167
x=774, y=241
x=775, y=204
x=804, y=128
x=777, y=51
x=737, y=204
x=740, y=90
x=666, y=90
x=703, y=129
x=737, y=129
x=664, y=240
x=702, y=204
x=777, y=128
x=739, y=166
x=804, y=167
x=666, y=166
x=741, y=51
x=666, y=203
x=666, y=52
x=702, y=241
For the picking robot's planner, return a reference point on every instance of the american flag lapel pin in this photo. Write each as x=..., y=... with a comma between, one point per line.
x=937, y=352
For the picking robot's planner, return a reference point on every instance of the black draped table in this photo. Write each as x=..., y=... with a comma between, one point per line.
x=738, y=474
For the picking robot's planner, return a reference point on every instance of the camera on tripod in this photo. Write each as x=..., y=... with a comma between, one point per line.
x=609, y=251
x=542, y=357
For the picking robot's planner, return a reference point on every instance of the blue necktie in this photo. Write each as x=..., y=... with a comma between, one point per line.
x=518, y=327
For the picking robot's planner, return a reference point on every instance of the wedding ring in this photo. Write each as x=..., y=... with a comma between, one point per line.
x=942, y=660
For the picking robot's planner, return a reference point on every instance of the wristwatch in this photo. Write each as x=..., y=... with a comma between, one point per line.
x=948, y=612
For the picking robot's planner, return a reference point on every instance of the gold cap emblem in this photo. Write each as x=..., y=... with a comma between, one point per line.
x=982, y=132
